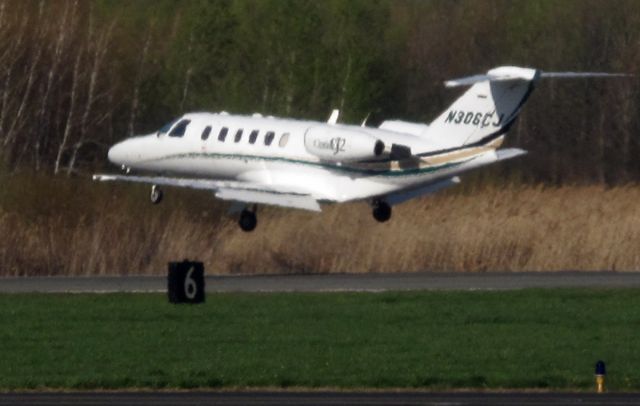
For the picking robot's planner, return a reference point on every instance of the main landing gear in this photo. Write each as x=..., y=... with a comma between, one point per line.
x=248, y=220
x=156, y=194
x=381, y=211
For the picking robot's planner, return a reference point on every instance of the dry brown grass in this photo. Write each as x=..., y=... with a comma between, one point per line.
x=59, y=227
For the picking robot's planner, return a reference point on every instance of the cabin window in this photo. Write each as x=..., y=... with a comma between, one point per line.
x=268, y=138
x=238, y=136
x=253, y=137
x=284, y=138
x=179, y=129
x=223, y=134
x=206, y=132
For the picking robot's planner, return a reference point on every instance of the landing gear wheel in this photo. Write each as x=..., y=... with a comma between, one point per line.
x=381, y=211
x=156, y=194
x=248, y=220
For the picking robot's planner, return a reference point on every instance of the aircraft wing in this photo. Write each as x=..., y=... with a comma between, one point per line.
x=245, y=192
x=433, y=187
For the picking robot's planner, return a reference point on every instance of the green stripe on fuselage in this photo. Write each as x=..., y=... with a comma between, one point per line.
x=339, y=168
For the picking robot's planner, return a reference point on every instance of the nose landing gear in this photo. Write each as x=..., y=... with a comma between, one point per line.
x=156, y=194
x=381, y=211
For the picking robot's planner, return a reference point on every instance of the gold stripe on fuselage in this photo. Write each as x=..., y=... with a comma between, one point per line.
x=425, y=162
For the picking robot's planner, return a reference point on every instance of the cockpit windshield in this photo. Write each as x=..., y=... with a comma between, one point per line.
x=179, y=129
x=165, y=128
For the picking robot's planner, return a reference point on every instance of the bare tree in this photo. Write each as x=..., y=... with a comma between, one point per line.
x=99, y=48
x=56, y=61
x=135, y=102
x=19, y=115
x=69, y=124
x=188, y=71
x=9, y=60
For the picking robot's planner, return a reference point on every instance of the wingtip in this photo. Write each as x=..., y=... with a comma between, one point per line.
x=509, y=153
x=451, y=83
x=102, y=177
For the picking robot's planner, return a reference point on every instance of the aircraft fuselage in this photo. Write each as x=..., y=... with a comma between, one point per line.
x=273, y=151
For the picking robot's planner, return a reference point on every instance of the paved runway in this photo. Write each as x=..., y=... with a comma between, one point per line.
x=321, y=283
x=327, y=283
x=317, y=398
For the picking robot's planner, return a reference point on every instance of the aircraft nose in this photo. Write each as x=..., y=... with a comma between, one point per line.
x=118, y=154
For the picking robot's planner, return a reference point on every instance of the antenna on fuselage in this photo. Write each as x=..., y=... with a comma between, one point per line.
x=333, y=118
x=364, y=122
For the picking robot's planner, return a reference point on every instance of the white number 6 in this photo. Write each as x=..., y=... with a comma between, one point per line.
x=190, y=287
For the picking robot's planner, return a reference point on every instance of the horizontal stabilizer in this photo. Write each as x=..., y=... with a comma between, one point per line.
x=502, y=73
x=583, y=75
x=507, y=73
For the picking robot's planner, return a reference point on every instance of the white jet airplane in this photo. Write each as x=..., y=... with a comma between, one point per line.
x=253, y=160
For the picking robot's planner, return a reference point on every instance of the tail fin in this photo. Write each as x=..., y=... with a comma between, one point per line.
x=488, y=109
x=485, y=111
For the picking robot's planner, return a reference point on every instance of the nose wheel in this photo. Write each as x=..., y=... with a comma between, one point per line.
x=248, y=220
x=381, y=211
x=156, y=194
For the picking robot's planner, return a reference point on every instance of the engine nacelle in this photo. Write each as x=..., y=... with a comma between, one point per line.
x=340, y=145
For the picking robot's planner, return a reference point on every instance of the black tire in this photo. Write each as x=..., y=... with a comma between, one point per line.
x=248, y=221
x=156, y=195
x=381, y=211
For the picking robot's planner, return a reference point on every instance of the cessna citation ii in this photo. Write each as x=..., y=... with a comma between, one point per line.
x=254, y=160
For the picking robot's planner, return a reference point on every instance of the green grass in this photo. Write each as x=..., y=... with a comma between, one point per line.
x=514, y=339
